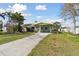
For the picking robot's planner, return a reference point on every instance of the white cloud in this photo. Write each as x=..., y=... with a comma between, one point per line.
x=41, y=7
x=50, y=20
x=58, y=20
x=17, y=8
x=47, y=20
x=27, y=14
x=14, y=8
x=2, y=10
x=9, y=6
x=38, y=17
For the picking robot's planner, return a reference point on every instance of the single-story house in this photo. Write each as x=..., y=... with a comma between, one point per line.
x=43, y=27
x=40, y=27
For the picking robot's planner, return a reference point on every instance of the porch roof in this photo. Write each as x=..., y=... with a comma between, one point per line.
x=43, y=24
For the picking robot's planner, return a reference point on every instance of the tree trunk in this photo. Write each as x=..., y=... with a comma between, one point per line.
x=74, y=21
x=19, y=28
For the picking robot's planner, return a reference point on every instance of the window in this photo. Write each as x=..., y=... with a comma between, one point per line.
x=46, y=28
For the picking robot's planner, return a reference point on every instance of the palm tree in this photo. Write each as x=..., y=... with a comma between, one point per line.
x=1, y=23
x=2, y=15
x=17, y=18
x=68, y=12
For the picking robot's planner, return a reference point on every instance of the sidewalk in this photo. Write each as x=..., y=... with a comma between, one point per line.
x=21, y=47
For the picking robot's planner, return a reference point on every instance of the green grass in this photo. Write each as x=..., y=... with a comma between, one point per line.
x=4, y=38
x=57, y=45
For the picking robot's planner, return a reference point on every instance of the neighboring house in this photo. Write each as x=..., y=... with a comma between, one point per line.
x=4, y=29
x=77, y=29
x=30, y=27
x=64, y=29
x=24, y=28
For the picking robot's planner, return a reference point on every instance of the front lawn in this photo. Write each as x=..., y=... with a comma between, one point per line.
x=57, y=45
x=4, y=38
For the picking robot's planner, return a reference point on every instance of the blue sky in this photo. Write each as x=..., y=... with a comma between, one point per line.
x=41, y=12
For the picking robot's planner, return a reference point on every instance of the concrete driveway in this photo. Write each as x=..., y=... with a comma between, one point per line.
x=21, y=47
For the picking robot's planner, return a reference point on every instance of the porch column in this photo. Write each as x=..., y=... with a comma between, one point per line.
x=50, y=29
x=39, y=28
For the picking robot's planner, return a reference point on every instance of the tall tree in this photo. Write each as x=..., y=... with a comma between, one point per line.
x=2, y=15
x=69, y=11
x=1, y=22
x=17, y=18
x=1, y=25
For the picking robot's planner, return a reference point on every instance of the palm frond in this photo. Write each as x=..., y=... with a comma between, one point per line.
x=2, y=16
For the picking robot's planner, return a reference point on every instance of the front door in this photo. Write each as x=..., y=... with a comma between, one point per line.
x=45, y=29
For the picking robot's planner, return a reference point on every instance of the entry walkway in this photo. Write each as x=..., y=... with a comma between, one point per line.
x=21, y=47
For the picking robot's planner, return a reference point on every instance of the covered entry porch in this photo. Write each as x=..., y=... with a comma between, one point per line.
x=44, y=27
